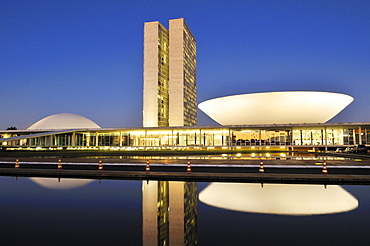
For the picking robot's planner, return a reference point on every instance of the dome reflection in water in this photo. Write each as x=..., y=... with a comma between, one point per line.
x=61, y=184
x=283, y=199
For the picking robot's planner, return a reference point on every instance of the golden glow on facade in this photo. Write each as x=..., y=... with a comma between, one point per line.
x=247, y=137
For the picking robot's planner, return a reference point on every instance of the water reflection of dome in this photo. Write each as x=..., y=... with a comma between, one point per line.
x=280, y=107
x=284, y=199
x=60, y=184
x=63, y=121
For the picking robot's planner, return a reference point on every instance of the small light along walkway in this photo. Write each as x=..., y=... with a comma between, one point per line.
x=348, y=163
x=190, y=176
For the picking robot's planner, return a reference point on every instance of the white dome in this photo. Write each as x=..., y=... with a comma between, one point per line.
x=282, y=107
x=283, y=199
x=63, y=121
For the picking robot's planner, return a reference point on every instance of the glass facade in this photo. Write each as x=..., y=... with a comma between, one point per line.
x=163, y=76
x=195, y=137
x=190, y=87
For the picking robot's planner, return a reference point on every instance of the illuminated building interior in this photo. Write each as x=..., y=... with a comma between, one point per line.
x=311, y=136
x=222, y=137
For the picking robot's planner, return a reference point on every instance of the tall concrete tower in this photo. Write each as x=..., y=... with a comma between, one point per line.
x=156, y=75
x=169, y=97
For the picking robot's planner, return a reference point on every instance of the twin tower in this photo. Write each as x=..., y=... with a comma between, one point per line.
x=169, y=75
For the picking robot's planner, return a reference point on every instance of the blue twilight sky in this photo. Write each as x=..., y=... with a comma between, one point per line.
x=86, y=57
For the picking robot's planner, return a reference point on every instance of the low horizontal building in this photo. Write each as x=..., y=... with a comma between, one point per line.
x=280, y=136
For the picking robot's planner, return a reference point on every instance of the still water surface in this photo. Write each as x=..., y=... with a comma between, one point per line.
x=39, y=211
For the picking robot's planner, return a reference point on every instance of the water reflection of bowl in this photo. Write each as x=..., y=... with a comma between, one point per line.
x=284, y=199
x=282, y=107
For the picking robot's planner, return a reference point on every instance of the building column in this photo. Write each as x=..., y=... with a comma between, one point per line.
x=260, y=135
x=229, y=140
x=359, y=135
x=354, y=136
x=73, y=140
x=200, y=137
x=145, y=138
x=326, y=139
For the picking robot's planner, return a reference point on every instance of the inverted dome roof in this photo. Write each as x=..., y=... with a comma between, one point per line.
x=282, y=107
x=63, y=121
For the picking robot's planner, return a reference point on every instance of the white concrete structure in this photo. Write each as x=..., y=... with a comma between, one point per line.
x=63, y=121
x=282, y=107
x=283, y=199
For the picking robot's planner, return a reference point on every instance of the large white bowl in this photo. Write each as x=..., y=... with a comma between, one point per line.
x=282, y=107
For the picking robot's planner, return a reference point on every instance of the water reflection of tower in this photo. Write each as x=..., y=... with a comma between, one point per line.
x=170, y=213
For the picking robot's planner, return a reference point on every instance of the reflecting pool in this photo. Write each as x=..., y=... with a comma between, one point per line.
x=46, y=211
